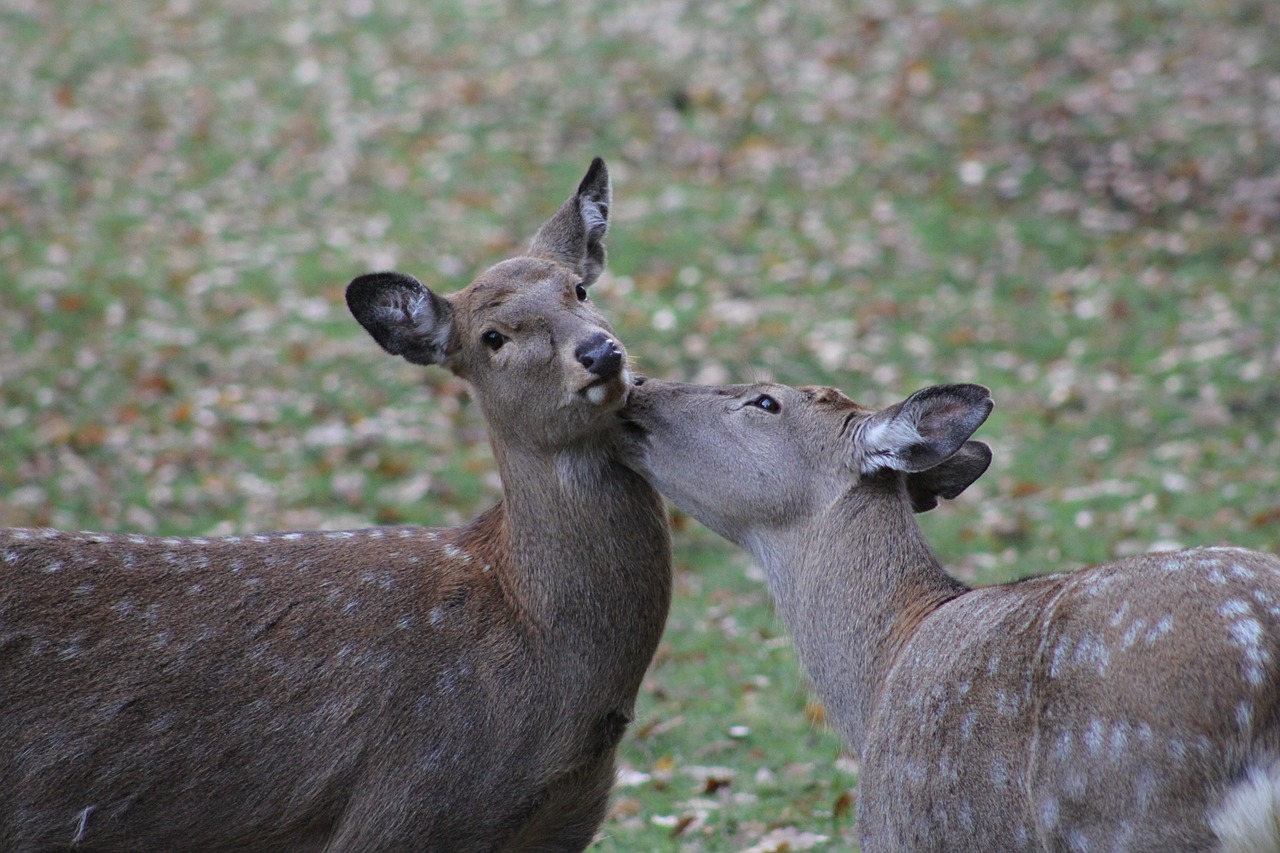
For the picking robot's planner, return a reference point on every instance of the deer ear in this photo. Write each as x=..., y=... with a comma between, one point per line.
x=950, y=478
x=575, y=235
x=922, y=431
x=404, y=317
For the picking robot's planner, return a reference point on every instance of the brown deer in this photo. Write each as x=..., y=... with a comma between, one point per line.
x=389, y=689
x=1129, y=706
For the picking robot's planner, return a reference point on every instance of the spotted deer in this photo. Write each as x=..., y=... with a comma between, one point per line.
x=388, y=689
x=1131, y=706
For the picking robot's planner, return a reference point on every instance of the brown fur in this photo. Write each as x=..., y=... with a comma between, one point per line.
x=392, y=689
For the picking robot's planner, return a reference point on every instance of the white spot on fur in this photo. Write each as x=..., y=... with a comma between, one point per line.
x=1094, y=735
x=1093, y=650
x=437, y=617
x=1132, y=633
x=1247, y=634
x=1249, y=818
x=1158, y=630
x=1234, y=607
x=1049, y=812
x=1119, y=739
x=1118, y=617
x=1059, y=653
x=1062, y=750
x=967, y=723
x=53, y=567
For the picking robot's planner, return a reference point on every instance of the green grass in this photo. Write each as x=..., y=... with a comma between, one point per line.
x=1074, y=204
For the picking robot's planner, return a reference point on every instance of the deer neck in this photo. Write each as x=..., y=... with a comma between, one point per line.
x=589, y=555
x=853, y=585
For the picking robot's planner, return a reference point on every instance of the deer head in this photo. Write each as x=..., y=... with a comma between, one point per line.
x=526, y=322
x=743, y=458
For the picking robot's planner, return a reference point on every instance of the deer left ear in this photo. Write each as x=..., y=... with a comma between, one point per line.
x=950, y=478
x=575, y=235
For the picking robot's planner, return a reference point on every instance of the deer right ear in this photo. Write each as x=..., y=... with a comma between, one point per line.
x=575, y=235
x=404, y=317
x=950, y=478
x=921, y=432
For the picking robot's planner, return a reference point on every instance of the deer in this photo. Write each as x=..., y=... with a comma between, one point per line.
x=1128, y=706
x=385, y=689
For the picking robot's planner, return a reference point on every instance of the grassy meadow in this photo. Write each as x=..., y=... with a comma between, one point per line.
x=1074, y=203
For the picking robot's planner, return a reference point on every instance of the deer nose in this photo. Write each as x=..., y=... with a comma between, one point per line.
x=600, y=355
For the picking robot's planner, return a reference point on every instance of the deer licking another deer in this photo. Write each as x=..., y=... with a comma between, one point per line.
x=1131, y=706
x=389, y=689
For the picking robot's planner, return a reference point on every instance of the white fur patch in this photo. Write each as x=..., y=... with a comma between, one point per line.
x=883, y=441
x=597, y=394
x=593, y=219
x=1248, y=821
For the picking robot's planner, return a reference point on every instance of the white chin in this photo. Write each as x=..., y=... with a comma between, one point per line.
x=597, y=394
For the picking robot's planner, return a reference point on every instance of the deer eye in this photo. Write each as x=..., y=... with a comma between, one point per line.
x=580, y=291
x=493, y=340
x=765, y=403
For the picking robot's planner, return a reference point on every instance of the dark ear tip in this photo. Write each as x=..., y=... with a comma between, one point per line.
x=378, y=279
x=597, y=173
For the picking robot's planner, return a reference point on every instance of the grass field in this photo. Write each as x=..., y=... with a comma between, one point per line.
x=1076, y=204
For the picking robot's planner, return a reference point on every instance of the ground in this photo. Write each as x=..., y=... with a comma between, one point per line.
x=1075, y=204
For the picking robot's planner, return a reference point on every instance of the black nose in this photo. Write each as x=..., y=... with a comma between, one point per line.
x=600, y=355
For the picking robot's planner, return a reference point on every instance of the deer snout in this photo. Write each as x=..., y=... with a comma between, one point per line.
x=600, y=355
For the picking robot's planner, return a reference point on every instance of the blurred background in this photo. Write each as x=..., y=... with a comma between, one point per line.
x=1076, y=204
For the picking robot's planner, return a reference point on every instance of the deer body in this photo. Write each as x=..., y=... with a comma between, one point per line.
x=389, y=689
x=1129, y=706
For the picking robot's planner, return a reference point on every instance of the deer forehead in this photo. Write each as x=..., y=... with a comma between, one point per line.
x=533, y=279
x=823, y=395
